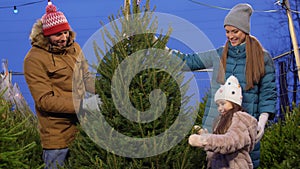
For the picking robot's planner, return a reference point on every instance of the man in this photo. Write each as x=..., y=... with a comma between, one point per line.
x=57, y=75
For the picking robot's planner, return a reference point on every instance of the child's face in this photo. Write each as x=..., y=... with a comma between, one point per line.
x=223, y=106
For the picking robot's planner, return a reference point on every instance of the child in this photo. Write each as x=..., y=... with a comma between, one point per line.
x=234, y=131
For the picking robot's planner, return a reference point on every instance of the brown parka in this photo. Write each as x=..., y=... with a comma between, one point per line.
x=57, y=79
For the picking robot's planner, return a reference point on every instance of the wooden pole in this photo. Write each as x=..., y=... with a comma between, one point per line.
x=293, y=36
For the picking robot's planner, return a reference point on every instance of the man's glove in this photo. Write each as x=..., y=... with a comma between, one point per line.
x=92, y=103
x=197, y=140
x=263, y=118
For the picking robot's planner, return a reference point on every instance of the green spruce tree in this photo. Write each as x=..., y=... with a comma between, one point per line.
x=280, y=143
x=144, y=95
x=19, y=139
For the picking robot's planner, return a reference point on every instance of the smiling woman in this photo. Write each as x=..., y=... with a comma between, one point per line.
x=244, y=57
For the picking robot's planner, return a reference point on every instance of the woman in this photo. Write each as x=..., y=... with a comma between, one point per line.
x=244, y=57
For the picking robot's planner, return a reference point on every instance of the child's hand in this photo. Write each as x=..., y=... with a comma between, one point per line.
x=203, y=131
x=196, y=140
x=199, y=130
x=196, y=129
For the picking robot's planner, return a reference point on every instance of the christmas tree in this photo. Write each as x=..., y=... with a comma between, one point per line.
x=145, y=116
x=19, y=140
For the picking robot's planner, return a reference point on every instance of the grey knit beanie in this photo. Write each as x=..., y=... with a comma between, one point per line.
x=239, y=17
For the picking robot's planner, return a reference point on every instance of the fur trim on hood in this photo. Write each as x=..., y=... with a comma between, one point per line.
x=37, y=37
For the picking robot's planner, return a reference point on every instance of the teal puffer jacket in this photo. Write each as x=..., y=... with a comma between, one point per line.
x=260, y=99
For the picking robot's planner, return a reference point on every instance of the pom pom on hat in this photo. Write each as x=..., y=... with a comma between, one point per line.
x=50, y=8
x=239, y=17
x=54, y=21
x=230, y=91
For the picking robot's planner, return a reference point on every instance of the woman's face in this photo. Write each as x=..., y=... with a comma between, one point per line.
x=234, y=35
x=223, y=106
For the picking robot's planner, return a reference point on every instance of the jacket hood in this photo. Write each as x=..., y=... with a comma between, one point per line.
x=37, y=37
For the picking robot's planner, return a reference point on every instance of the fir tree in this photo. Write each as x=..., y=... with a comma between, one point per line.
x=19, y=140
x=280, y=143
x=135, y=80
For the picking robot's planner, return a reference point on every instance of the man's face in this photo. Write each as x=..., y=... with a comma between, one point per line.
x=60, y=39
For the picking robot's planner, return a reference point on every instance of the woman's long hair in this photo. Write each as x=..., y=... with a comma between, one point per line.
x=255, y=67
x=223, y=122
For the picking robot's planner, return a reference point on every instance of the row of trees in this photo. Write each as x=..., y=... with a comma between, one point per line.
x=20, y=147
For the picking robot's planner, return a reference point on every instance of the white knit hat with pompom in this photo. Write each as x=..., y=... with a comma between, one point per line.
x=230, y=91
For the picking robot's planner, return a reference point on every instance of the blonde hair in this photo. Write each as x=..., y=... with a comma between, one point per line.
x=255, y=67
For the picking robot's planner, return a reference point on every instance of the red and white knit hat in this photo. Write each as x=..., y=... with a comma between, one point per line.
x=54, y=21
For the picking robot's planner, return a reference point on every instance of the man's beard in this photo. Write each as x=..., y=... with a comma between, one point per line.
x=60, y=43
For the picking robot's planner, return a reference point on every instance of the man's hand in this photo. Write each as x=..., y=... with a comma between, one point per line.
x=92, y=103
